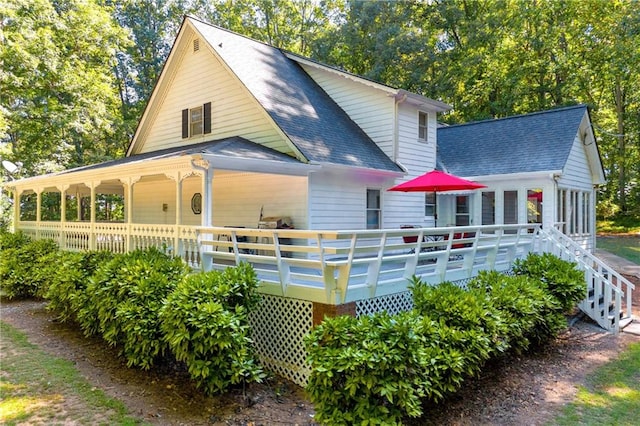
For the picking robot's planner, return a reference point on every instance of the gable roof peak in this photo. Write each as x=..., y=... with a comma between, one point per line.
x=317, y=127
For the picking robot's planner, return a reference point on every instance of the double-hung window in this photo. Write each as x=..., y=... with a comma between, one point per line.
x=423, y=126
x=374, y=211
x=430, y=204
x=196, y=121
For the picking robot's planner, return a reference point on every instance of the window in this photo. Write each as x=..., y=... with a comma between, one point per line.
x=534, y=205
x=430, y=204
x=423, y=126
x=196, y=121
x=462, y=210
x=510, y=207
x=373, y=209
x=488, y=208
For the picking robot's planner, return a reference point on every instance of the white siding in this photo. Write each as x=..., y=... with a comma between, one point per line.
x=149, y=196
x=201, y=78
x=338, y=199
x=369, y=108
x=238, y=198
x=576, y=173
x=418, y=157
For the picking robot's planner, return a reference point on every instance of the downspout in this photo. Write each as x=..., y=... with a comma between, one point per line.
x=396, y=125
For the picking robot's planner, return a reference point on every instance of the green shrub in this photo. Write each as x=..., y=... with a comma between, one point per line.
x=9, y=240
x=67, y=284
x=464, y=310
x=561, y=278
x=25, y=269
x=205, y=323
x=123, y=299
x=372, y=370
x=523, y=303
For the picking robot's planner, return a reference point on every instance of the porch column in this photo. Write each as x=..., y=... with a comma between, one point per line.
x=207, y=191
x=92, y=237
x=63, y=216
x=177, y=178
x=38, y=211
x=16, y=208
x=207, y=198
x=128, y=204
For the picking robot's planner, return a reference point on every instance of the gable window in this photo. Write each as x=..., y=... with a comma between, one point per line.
x=196, y=121
x=423, y=126
x=374, y=213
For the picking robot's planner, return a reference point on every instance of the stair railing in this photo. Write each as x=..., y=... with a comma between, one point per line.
x=606, y=288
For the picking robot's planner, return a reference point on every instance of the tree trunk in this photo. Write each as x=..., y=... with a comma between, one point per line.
x=622, y=178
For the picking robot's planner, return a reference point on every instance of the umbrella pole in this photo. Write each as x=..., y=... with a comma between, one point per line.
x=435, y=208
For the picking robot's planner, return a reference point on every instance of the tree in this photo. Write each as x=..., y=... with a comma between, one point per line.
x=57, y=87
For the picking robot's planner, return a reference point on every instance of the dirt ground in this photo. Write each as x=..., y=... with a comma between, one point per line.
x=526, y=389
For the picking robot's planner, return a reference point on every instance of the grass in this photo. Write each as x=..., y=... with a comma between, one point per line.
x=611, y=396
x=36, y=388
x=627, y=247
x=621, y=225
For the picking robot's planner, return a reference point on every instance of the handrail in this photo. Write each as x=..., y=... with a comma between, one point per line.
x=339, y=266
x=604, y=284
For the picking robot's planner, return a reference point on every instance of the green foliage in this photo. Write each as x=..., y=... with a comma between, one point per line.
x=58, y=89
x=205, y=323
x=10, y=240
x=67, y=284
x=372, y=370
x=525, y=308
x=463, y=310
x=380, y=369
x=560, y=277
x=24, y=269
x=123, y=299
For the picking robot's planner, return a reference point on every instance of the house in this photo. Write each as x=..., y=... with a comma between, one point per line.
x=249, y=153
x=538, y=168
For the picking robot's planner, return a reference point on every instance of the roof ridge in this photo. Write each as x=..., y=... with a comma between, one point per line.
x=529, y=114
x=227, y=30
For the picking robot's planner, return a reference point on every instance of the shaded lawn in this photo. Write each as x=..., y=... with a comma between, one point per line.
x=37, y=388
x=611, y=396
x=623, y=246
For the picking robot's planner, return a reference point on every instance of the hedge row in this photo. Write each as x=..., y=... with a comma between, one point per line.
x=382, y=369
x=145, y=303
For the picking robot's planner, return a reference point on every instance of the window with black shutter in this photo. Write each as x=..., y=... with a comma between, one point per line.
x=196, y=121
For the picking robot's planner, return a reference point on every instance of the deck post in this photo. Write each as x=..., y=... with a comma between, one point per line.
x=323, y=310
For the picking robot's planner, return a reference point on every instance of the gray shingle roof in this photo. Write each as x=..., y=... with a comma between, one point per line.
x=234, y=147
x=316, y=125
x=534, y=142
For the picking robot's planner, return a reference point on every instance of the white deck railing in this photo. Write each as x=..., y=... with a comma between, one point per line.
x=331, y=267
x=336, y=267
x=118, y=237
x=609, y=294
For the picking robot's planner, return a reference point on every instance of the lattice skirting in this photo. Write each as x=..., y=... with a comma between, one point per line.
x=392, y=303
x=279, y=327
x=280, y=324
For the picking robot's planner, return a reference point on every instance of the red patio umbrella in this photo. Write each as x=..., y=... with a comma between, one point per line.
x=436, y=181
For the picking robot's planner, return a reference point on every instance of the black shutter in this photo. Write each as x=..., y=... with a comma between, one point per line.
x=185, y=123
x=207, y=117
